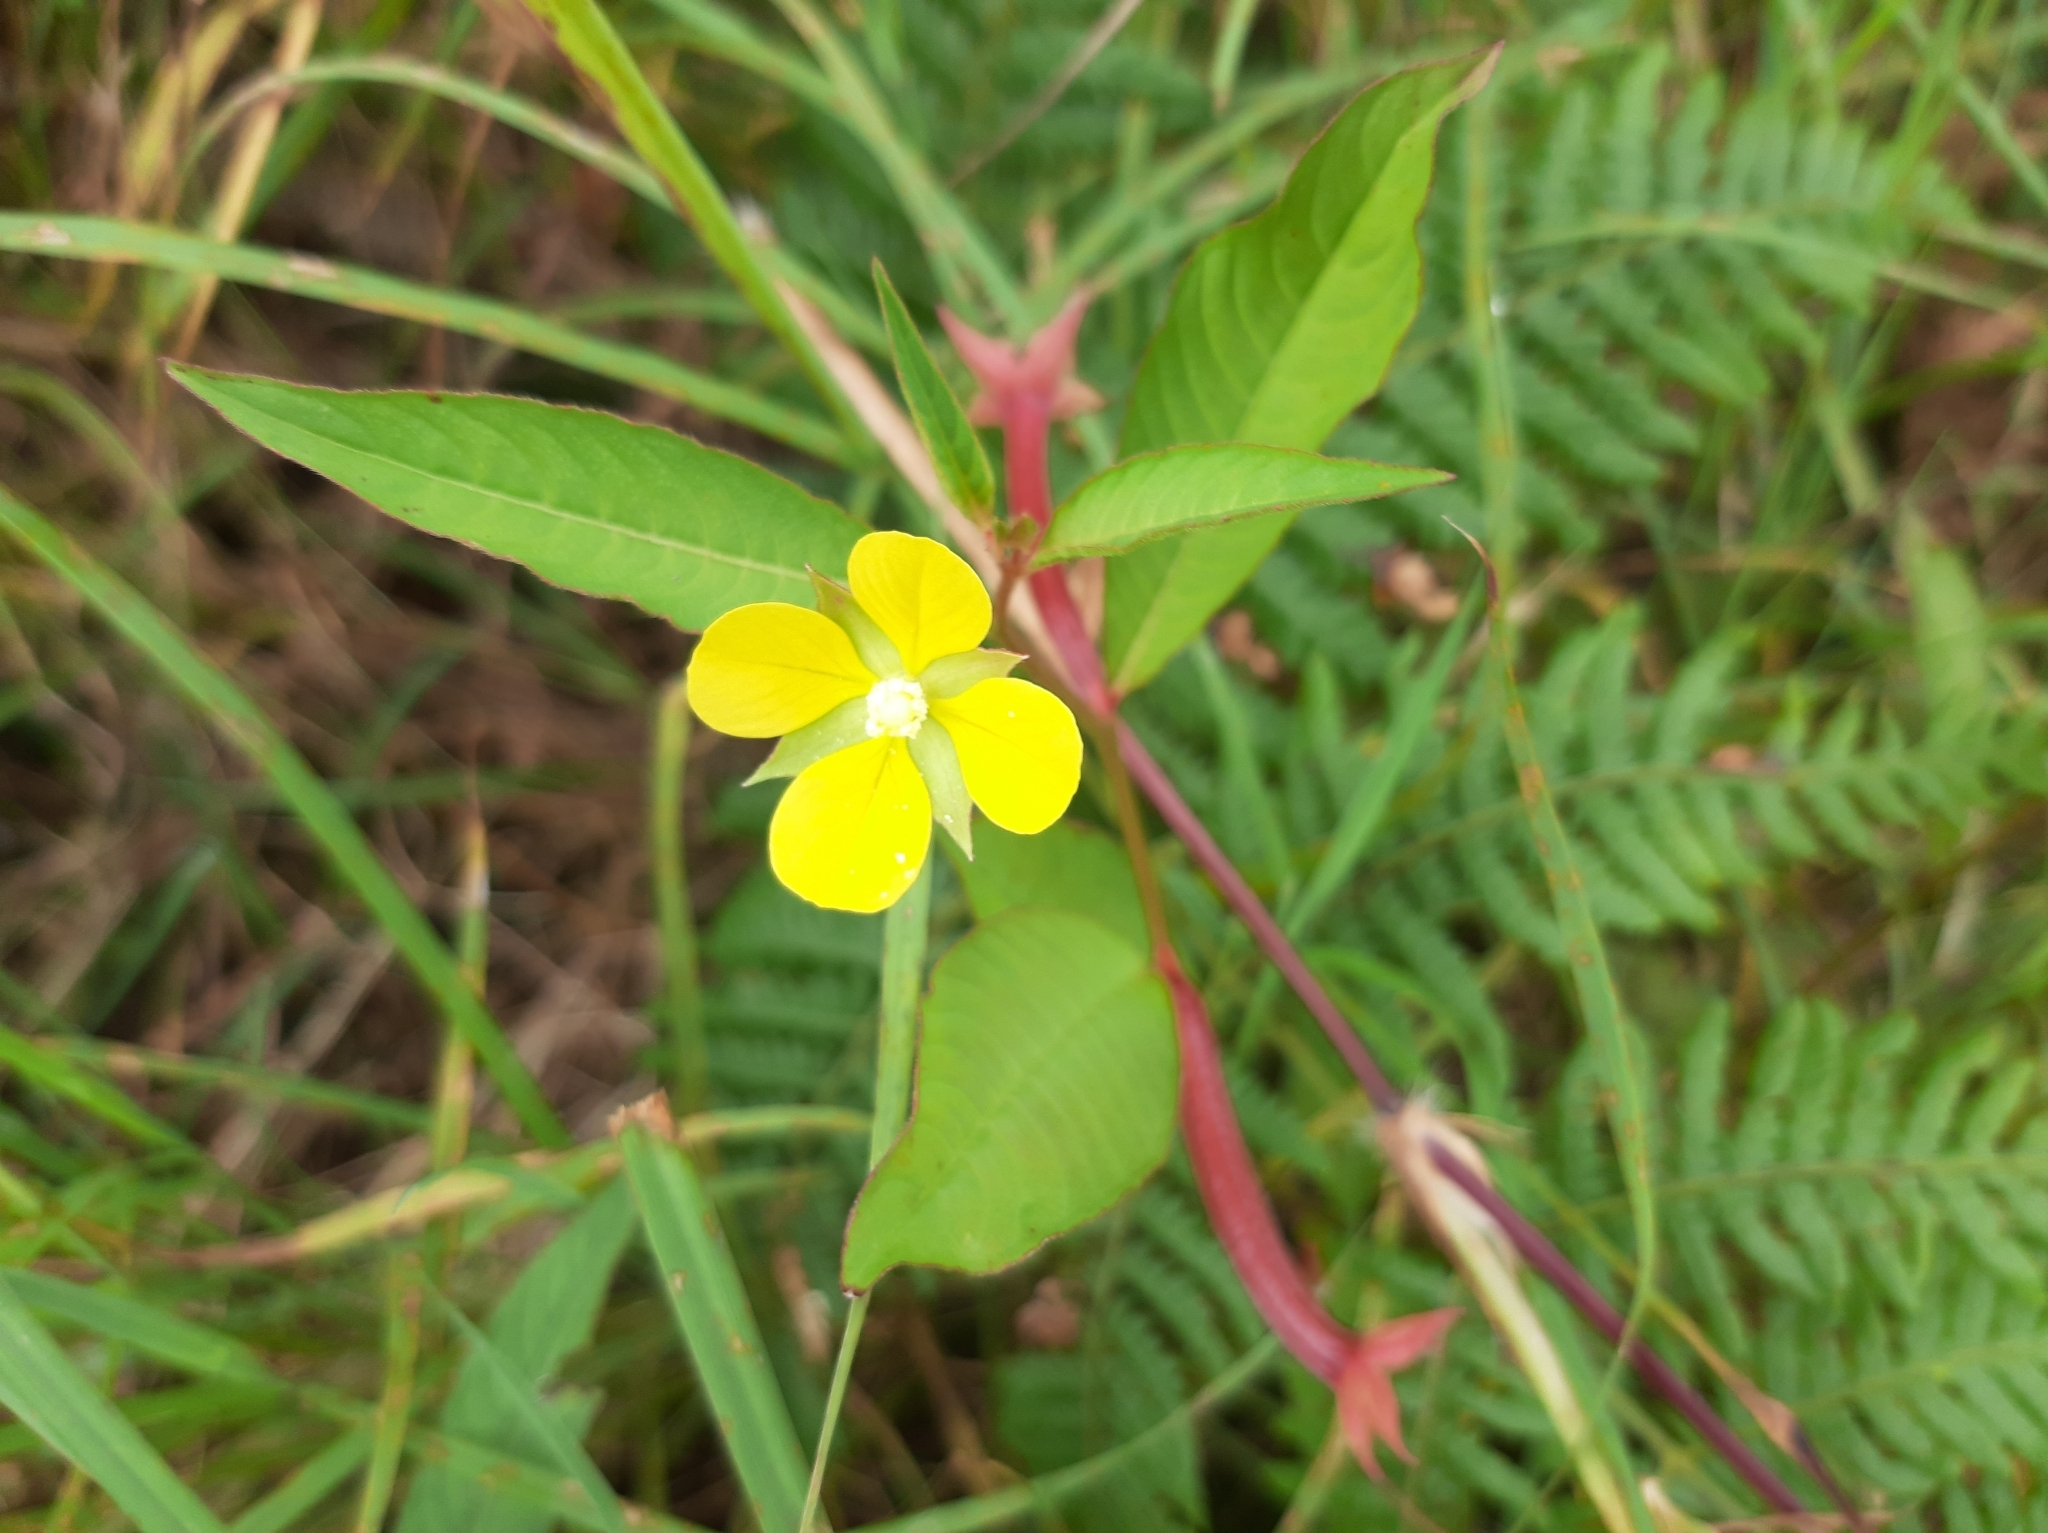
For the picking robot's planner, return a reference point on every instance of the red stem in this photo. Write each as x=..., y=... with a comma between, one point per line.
x=1535, y=1248
x=1210, y=857
x=1238, y=1209
x=1529, y=1242
x=1236, y=1201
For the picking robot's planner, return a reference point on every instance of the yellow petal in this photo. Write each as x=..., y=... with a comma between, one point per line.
x=769, y=668
x=851, y=832
x=1019, y=750
x=925, y=597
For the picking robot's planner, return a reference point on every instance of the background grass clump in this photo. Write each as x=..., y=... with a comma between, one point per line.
x=315, y=832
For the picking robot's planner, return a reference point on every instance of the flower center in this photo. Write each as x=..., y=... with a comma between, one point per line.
x=895, y=707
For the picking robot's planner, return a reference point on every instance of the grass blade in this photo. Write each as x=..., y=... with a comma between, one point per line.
x=356, y=287
x=598, y=52
x=317, y=1479
x=403, y=1288
x=48, y=1394
x=1627, y=1113
x=348, y=850
x=43, y=1067
x=113, y=1316
x=718, y=1327
x=515, y=1397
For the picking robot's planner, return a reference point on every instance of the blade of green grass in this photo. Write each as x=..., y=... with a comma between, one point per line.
x=1231, y=37
x=1360, y=819
x=250, y=1080
x=718, y=1327
x=129, y=951
x=238, y=718
x=956, y=246
x=46, y=1391
x=43, y=1066
x=404, y=1289
x=1983, y=111
x=1628, y=1116
x=169, y=1338
x=1364, y=811
x=587, y=36
x=314, y=1481
x=514, y=111
x=356, y=287
x=514, y=1397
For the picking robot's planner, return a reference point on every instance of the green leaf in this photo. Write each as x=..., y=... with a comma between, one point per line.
x=315, y=1479
x=1160, y=493
x=169, y=1338
x=581, y=498
x=514, y=1399
x=1046, y=1080
x=549, y=1313
x=717, y=1325
x=1951, y=637
x=948, y=436
x=1068, y=866
x=1279, y=328
x=50, y=1396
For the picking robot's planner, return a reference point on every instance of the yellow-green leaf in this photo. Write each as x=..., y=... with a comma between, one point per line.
x=583, y=499
x=1279, y=328
x=1159, y=493
x=1046, y=1079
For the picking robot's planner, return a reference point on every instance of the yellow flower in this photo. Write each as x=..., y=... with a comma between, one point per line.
x=891, y=717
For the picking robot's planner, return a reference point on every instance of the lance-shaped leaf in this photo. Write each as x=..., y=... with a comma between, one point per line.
x=1159, y=493
x=1279, y=328
x=1046, y=1079
x=583, y=499
x=948, y=436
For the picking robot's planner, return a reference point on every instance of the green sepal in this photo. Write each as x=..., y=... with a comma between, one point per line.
x=931, y=750
x=948, y=435
x=876, y=652
x=843, y=726
x=950, y=675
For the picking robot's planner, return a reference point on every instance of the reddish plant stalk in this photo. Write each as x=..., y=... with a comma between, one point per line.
x=1529, y=1242
x=1247, y=906
x=1238, y=1210
x=1534, y=1247
x=1232, y=1193
x=1019, y=396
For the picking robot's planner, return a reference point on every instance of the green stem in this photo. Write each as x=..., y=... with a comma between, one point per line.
x=455, y=1079
x=394, y=1406
x=905, y=931
x=682, y=1000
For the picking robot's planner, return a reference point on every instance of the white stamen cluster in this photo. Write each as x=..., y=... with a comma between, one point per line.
x=896, y=707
